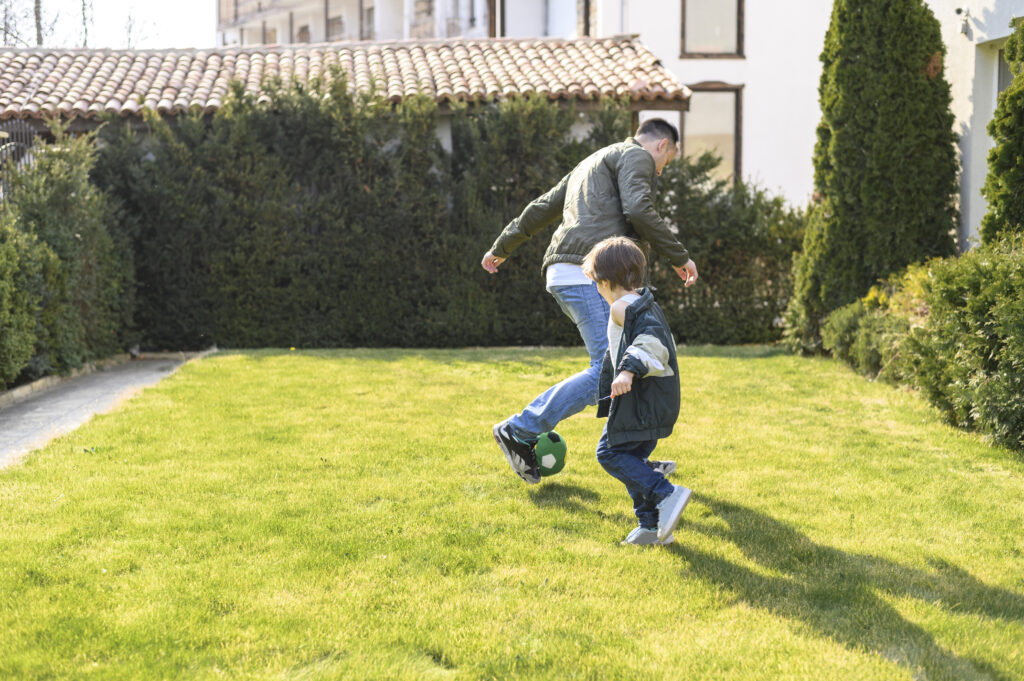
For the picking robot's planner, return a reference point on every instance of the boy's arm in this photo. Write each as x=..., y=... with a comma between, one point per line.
x=542, y=212
x=648, y=356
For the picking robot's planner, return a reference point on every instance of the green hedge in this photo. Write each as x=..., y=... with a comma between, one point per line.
x=953, y=328
x=66, y=292
x=743, y=241
x=323, y=220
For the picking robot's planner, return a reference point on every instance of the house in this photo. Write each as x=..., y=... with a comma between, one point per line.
x=80, y=85
x=974, y=32
x=728, y=52
x=751, y=65
x=262, y=22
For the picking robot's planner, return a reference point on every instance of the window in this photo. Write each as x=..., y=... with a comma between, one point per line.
x=303, y=35
x=369, y=33
x=335, y=28
x=712, y=28
x=269, y=35
x=1005, y=75
x=422, y=19
x=713, y=123
x=586, y=17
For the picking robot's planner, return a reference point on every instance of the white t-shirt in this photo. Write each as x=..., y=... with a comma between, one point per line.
x=565, y=274
x=615, y=330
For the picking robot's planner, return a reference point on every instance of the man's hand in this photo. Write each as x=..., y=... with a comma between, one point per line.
x=622, y=384
x=491, y=262
x=688, y=272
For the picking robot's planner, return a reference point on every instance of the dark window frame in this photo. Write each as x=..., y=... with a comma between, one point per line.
x=740, y=34
x=718, y=86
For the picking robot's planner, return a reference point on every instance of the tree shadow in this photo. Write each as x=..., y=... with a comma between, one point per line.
x=838, y=594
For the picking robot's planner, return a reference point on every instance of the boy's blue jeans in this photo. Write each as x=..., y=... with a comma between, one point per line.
x=627, y=463
x=588, y=310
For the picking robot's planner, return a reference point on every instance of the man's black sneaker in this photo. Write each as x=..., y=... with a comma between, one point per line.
x=519, y=454
x=666, y=468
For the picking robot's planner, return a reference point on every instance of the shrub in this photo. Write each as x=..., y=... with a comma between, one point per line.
x=869, y=333
x=742, y=240
x=323, y=220
x=24, y=266
x=885, y=161
x=1005, y=177
x=86, y=297
x=968, y=358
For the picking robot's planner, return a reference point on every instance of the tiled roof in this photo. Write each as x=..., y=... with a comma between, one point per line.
x=39, y=83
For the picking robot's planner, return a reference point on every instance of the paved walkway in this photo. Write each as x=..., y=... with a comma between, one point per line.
x=59, y=409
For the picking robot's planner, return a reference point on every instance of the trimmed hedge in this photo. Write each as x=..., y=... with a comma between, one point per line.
x=66, y=289
x=743, y=241
x=953, y=328
x=323, y=220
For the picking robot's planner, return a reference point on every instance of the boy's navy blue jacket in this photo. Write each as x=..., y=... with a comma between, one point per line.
x=650, y=409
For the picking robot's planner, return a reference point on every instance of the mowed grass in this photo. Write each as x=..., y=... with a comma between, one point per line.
x=347, y=515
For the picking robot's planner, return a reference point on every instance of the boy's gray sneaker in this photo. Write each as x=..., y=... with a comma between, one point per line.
x=669, y=510
x=520, y=455
x=641, y=536
x=666, y=468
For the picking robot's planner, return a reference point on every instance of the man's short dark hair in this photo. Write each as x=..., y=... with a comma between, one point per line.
x=660, y=128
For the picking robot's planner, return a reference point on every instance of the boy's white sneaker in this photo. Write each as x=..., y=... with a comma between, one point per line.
x=641, y=536
x=669, y=510
x=666, y=468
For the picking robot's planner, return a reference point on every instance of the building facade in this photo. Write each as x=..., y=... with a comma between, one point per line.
x=753, y=65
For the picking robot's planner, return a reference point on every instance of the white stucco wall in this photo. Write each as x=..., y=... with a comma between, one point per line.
x=973, y=39
x=779, y=75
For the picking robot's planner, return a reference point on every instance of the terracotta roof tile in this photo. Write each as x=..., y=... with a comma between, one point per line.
x=37, y=83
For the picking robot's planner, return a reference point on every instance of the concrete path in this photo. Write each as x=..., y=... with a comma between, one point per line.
x=31, y=423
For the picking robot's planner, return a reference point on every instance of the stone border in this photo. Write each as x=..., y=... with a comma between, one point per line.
x=22, y=393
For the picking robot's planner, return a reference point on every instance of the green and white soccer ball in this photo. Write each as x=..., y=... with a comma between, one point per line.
x=550, y=452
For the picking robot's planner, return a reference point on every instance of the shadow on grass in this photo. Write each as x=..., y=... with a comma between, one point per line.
x=569, y=497
x=836, y=593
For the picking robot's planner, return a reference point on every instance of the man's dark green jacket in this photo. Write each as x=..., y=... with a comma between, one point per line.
x=650, y=409
x=610, y=193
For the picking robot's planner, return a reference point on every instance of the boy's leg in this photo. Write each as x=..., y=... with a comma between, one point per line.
x=628, y=464
x=589, y=311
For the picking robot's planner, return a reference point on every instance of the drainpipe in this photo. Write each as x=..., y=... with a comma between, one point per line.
x=547, y=18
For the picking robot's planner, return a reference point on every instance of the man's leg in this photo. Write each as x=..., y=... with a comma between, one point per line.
x=588, y=310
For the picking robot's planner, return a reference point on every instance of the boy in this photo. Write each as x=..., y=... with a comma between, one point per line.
x=640, y=378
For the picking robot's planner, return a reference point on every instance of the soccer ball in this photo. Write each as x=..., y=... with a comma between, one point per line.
x=550, y=452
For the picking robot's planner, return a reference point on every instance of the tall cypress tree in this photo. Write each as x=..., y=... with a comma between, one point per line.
x=885, y=162
x=1004, y=186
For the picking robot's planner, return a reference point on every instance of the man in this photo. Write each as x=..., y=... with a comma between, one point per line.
x=610, y=193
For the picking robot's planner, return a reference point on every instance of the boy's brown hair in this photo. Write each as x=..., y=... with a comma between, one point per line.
x=618, y=261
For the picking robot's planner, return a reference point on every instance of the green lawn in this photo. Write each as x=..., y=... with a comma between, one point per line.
x=346, y=515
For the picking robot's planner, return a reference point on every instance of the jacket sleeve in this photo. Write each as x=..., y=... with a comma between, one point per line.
x=636, y=170
x=647, y=355
x=542, y=212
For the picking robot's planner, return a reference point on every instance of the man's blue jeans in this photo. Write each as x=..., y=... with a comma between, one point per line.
x=588, y=310
x=628, y=464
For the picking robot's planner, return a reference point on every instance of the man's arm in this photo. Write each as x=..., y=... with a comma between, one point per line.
x=542, y=212
x=635, y=172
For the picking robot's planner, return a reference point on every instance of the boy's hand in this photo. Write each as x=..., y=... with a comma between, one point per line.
x=622, y=384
